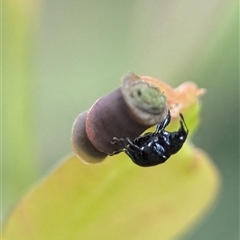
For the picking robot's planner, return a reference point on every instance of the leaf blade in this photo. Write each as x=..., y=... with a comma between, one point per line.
x=117, y=200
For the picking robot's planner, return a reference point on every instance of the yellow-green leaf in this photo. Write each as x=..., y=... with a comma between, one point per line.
x=117, y=199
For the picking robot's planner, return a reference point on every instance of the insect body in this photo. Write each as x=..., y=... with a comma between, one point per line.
x=155, y=148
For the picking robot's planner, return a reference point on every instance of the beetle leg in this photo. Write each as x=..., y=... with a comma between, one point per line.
x=116, y=152
x=131, y=153
x=134, y=147
x=117, y=140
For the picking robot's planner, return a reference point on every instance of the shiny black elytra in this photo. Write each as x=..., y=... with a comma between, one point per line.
x=155, y=148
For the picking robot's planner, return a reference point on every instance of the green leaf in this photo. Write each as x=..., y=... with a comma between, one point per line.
x=17, y=99
x=117, y=199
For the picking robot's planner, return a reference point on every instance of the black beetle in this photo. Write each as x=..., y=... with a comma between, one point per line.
x=154, y=148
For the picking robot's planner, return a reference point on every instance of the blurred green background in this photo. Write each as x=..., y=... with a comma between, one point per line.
x=60, y=56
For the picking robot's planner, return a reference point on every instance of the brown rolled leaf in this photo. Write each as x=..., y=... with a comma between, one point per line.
x=82, y=146
x=111, y=117
x=127, y=112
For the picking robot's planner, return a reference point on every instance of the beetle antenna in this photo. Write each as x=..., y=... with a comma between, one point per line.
x=183, y=122
x=164, y=123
